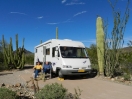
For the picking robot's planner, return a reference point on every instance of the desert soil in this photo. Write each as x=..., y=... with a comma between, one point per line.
x=92, y=88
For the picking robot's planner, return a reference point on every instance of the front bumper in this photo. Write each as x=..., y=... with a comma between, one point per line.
x=75, y=72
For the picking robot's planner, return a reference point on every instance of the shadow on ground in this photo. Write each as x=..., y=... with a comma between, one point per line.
x=1, y=74
x=81, y=77
x=28, y=67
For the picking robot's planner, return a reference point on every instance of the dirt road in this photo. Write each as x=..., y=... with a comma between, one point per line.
x=97, y=89
x=93, y=88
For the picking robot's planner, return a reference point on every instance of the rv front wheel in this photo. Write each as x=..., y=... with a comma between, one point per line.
x=60, y=74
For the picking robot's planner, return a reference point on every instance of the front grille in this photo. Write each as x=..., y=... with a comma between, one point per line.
x=75, y=68
x=83, y=67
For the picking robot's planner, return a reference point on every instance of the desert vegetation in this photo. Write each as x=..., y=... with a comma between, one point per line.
x=110, y=58
x=107, y=56
x=14, y=59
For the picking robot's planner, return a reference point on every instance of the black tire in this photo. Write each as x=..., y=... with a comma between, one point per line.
x=60, y=74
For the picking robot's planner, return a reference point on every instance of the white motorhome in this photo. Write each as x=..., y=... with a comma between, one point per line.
x=67, y=57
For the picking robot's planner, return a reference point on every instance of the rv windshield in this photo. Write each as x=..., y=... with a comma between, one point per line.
x=73, y=52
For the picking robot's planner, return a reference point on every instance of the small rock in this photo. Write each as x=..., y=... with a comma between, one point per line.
x=109, y=77
x=2, y=85
x=31, y=93
x=127, y=82
x=122, y=79
x=19, y=93
x=105, y=77
x=12, y=86
x=116, y=78
x=7, y=86
x=112, y=79
x=18, y=85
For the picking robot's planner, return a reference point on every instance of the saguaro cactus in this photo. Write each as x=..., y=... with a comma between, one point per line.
x=56, y=32
x=100, y=44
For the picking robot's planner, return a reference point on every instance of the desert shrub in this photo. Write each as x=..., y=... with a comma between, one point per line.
x=126, y=76
x=52, y=91
x=29, y=59
x=69, y=96
x=7, y=94
x=92, y=53
x=76, y=95
x=1, y=61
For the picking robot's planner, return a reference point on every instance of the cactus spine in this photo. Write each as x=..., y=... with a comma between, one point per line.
x=56, y=32
x=16, y=59
x=100, y=44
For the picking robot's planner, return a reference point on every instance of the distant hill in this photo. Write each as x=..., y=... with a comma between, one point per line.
x=127, y=49
x=28, y=52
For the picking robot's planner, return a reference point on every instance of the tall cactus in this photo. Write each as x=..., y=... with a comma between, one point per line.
x=7, y=52
x=19, y=55
x=4, y=51
x=56, y=32
x=16, y=59
x=100, y=44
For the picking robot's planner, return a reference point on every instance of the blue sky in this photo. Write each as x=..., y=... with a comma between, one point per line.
x=37, y=20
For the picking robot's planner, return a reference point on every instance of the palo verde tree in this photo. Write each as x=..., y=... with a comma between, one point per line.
x=114, y=41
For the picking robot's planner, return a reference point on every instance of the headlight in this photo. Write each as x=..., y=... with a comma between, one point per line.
x=67, y=66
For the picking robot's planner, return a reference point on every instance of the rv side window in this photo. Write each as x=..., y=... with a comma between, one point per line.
x=36, y=50
x=53, y=52
x=48, y=51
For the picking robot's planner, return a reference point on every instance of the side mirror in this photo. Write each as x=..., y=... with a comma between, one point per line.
x=56, y=53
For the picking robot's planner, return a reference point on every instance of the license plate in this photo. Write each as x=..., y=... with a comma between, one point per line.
x=81, y=70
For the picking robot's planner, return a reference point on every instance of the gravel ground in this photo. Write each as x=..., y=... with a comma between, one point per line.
x=93, y=88
x=12, y=77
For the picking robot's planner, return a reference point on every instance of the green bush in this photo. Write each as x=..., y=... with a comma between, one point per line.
x=7, y=94
x=52, y=91
x=127, y=77
x=29, y=59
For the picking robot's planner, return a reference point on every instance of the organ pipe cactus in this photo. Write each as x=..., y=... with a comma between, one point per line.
x=19, y=55
x=100, y=44
x=15, y=59
x=4, y=51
